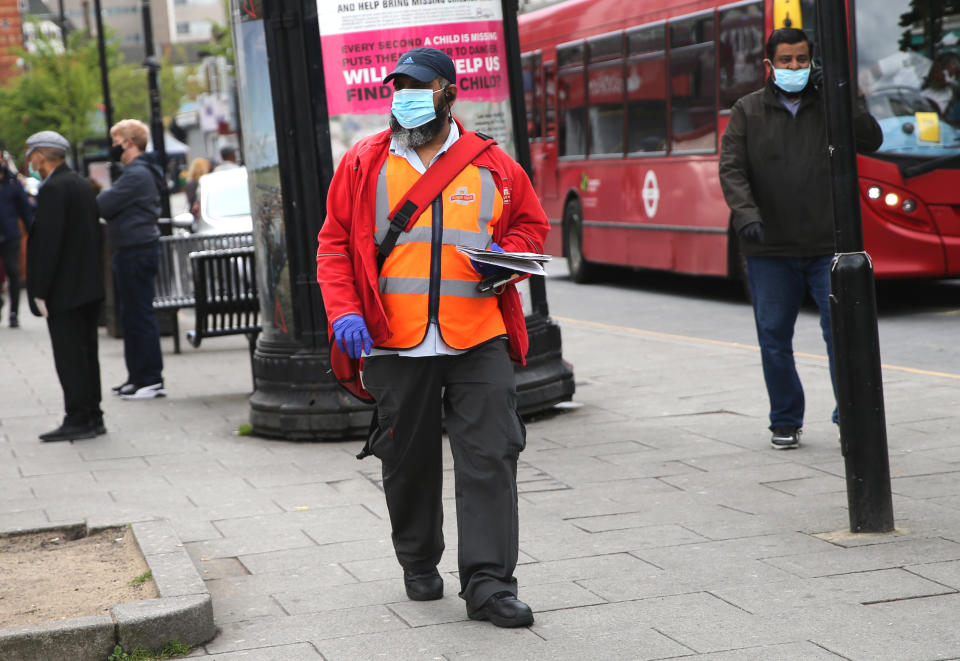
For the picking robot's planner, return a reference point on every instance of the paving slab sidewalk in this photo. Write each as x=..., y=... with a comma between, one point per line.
x=656, y=522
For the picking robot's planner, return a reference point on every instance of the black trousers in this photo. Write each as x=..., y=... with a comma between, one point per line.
x=10, y=255
x=476, y=393
x=73, y=334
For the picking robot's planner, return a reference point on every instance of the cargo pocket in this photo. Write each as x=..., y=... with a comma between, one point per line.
x=380, y=441
x=374, y=429
x=523, y=432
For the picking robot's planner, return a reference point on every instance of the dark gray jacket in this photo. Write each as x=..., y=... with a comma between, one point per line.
x=774, y=169
x=131, y=206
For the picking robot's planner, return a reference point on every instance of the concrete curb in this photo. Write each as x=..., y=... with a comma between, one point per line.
x=184, y=610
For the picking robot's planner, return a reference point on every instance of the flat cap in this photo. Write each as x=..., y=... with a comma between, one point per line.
x=424, y=64
x=47, y=139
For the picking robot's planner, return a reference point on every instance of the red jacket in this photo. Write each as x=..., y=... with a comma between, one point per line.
x=347, y=256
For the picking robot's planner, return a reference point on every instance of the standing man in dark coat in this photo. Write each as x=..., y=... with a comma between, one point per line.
x=65, y=282
x=775, y=175
x=131, y=208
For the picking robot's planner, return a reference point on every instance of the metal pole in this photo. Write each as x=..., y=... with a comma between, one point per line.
x=85, y=5
x=63, y=26
x=152, y=65
x=538, y=288
x=105, y=82
x=856, y=345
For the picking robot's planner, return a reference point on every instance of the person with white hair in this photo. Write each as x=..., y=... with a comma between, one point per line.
x=131, y=207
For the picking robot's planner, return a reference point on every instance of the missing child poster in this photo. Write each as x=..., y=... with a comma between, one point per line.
x=362, y=40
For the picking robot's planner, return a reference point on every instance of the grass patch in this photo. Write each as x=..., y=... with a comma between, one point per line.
x=171, y=650
x=142, y=578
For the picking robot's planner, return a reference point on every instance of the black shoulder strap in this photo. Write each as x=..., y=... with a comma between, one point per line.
x=430, y=185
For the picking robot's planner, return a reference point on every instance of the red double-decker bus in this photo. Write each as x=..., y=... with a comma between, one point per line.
x=627, y=101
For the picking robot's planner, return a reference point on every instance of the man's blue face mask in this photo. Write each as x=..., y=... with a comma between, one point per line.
x=791, y=81
x=33, y=172
x=413, y=107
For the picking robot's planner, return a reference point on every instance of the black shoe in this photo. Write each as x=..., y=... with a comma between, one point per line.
x=98, y=426
x=67, y=432
x=504, y=610
x=426, y=586
x=116, y=390
x=785, y=438
x=14, y=322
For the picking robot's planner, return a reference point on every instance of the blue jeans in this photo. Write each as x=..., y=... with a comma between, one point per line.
x=778, y=286
x=135, y=272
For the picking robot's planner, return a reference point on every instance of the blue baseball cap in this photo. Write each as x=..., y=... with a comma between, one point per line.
x=424, y=64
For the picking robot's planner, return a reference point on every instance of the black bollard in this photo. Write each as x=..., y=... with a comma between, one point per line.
x=863, y=435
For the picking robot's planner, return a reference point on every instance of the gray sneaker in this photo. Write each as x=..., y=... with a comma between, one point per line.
x=133, y=391
x=785, y=438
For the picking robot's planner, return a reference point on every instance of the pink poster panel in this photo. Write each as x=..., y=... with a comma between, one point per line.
x=355, y=63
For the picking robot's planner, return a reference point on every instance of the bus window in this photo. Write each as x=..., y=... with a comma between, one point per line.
x=571, y=101
x=809, y=9
x=570, y=55
x=693, y=116
x=530, y=65
x=646, y=90
x=549, y=99
x=605, y=95
x=740, y=52
x=908, y=64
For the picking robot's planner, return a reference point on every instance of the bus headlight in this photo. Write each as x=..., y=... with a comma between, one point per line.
x=909, y=205
x=874, y=192
x=892, y=199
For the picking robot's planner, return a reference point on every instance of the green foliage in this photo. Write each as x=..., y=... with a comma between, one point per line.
x=57, y=92
x=60, y=90
x=171, y=650
x=222, y=43
x=142, y=578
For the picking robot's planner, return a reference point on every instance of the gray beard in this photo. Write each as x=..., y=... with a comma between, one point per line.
x=419, y=135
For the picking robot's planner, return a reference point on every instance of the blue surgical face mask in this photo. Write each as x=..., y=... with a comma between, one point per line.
x=791, y=81
x=33, y=172
x=413, y=107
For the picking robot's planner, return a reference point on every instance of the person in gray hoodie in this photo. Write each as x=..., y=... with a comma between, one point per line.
x=131, y=208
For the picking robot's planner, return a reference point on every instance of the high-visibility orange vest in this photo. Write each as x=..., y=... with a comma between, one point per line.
x=471, y=206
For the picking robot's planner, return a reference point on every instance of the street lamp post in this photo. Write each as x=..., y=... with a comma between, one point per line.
x=853, y=307
x=152, y=64
x=104, y=71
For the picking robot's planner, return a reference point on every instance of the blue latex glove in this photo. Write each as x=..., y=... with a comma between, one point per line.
x=488, y=270
x=351, y=335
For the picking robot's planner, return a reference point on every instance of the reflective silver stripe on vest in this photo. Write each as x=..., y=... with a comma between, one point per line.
x=487, y=191
x=383, y=205
x=451, y=237
x=461, y=288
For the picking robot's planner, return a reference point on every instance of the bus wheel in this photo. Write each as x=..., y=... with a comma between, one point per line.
x=580, y=269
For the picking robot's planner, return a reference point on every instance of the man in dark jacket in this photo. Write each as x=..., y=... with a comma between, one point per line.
x=775, y=175
x=65, y=282
x=13, y=206
x=131, y=208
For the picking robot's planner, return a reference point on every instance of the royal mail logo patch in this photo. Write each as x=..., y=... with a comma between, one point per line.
x=463, y=196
